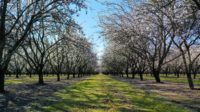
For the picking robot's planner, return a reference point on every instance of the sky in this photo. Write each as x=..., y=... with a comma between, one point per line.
x=88, y=20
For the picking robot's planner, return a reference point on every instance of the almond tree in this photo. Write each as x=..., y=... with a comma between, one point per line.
x=145, y=28
x=16, y=21
x=187, y=36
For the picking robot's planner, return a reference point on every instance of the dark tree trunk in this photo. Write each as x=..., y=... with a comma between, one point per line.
x=141, y=77
x=40, y=74
x=2, y=81
x=178, y=75
x=133, y=75
x=190, y=81
x=78, y=75
x=194, y=76
x=127, y=70
x=30, y=75
x=74, y=75
x=127, y=75
x=58, y=77
x=157, y=76
x=17, y=75
x=41, y=80
x=68, y=75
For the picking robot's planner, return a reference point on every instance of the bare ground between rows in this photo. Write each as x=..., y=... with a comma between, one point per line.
x=174, y=92
x=20, y=96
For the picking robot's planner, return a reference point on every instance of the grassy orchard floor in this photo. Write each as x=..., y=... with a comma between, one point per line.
x=169, y=78
x=99, y=93
x=34, y=79
x=174, y=89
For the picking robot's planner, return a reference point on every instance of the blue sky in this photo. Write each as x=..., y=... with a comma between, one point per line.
x=89, y=23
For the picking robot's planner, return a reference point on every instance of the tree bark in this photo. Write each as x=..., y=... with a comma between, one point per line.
x=58, y=77
x=78, y=75
x=178, y=75
x=74, y=75
x=157, y=76
x=141, y=76
x=30, y=75
x=190, y=81
x=2, y=81
x=41, y=80
x=127, y=75
x=133, y=75
x=17, y=75
x=194, y=76
x=68, y=75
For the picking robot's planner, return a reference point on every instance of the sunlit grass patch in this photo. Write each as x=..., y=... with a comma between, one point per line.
x=170, y=78
x=26, y=79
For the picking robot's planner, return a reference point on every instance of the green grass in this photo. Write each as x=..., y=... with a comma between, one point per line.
x=174, y=79
x=170, y=78
x=26, y=79
x=101, y=93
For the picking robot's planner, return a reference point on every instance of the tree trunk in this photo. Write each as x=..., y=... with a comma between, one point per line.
x=194, y=76
x=58, y=77
x=127, y=75
x=2, y=44
x=2, y=81
x=68, y=75
x=127, y=70
x=178, y=75
x=133, y=75
x=78, y=75
x=41, y=80
x=74, y=75
x=190, y=81
x=30, y=75
x=157, y=76
x=141, y=77
x=17, y=75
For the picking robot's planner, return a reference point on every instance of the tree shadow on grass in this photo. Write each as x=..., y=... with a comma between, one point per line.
x=170, y=92
x=85, y=97
x=73, y=99
x=103, y=94
x=21, y=96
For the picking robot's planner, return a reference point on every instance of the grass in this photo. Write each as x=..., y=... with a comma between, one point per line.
x=174, y=79
x=26, y=79
x=171, y=78
x=101, y=93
